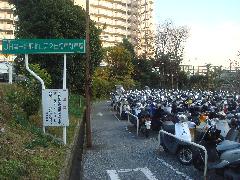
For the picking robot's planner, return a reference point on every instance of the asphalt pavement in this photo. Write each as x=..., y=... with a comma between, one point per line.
x=119, y=154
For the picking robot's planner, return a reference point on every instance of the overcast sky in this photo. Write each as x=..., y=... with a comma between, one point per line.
x=214, y=28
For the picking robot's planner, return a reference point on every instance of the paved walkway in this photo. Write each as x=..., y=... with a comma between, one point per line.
x=118, y=154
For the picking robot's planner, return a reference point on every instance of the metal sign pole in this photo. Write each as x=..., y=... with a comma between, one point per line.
x=36, y=76
x=65, y=72
x=10, y=75
x=65, y=87
x=10, y=72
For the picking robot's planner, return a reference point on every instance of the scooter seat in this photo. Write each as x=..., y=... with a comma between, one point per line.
x=227, y=145
x=216, y=164
x=169, y=127
x=219, y=164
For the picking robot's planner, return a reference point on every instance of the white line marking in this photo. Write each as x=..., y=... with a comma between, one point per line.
x=125, y=170
x=148, y=173
x=174, y=169
x=113, y=175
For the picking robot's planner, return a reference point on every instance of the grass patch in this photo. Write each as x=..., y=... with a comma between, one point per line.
x=26, y=152
x=12, y=169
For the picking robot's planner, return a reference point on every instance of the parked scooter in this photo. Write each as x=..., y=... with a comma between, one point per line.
x=175, y=146
x=223, y=158
x=145, y=123
x=146, y=127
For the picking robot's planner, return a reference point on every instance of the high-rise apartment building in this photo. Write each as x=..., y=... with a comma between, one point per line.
x=6, y=26
x=131, y=19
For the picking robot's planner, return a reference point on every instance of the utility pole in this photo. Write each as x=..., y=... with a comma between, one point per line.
x=87, y=78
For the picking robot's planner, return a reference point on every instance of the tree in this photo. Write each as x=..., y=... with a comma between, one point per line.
x=128, y=46
x=198, y=82
x=119, y=62
x=119, y=70
x=169, y=50
x=58, y=19
x=144, y=73
x=170, y=40
x=183, y=80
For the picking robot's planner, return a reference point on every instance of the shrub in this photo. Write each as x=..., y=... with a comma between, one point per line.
x=101, y=88
x=26, y=95
x=104, y=82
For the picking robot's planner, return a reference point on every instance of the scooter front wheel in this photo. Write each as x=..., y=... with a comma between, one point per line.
x=165, y=148
x=185, y=155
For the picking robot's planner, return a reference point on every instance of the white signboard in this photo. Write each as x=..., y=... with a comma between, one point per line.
x=55, y=107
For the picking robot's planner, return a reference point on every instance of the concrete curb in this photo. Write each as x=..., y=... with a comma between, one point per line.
x=72, y=167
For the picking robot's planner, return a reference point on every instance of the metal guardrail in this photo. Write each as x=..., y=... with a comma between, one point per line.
x=130, y=114
x=115, y=107
x=118, y=108
x=119, y=111
x=192, y=143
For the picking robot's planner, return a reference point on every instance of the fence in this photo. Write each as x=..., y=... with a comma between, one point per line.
x=119, y=109
x=192, y=143
x=137, y=120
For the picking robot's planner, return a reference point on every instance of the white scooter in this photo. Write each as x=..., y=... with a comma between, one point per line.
x=175, y=145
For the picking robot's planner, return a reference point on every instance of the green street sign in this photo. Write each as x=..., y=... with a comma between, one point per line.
x=43, y=46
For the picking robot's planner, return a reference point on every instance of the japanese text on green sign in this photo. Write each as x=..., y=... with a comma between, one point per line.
x=43, y=46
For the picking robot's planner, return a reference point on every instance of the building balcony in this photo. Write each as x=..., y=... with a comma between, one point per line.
x=6, y=8
x=9, y=30
x=134, y=26
x=121, y=34
x=108, y=8
x=111, y=25
x=7, y=26
x=109, y=41
x=107, y=16
x=6, y=18
x=133, y=19
x=133, y=4
x=116, y=2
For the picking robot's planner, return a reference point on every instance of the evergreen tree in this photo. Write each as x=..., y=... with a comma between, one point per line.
x=58, y=19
